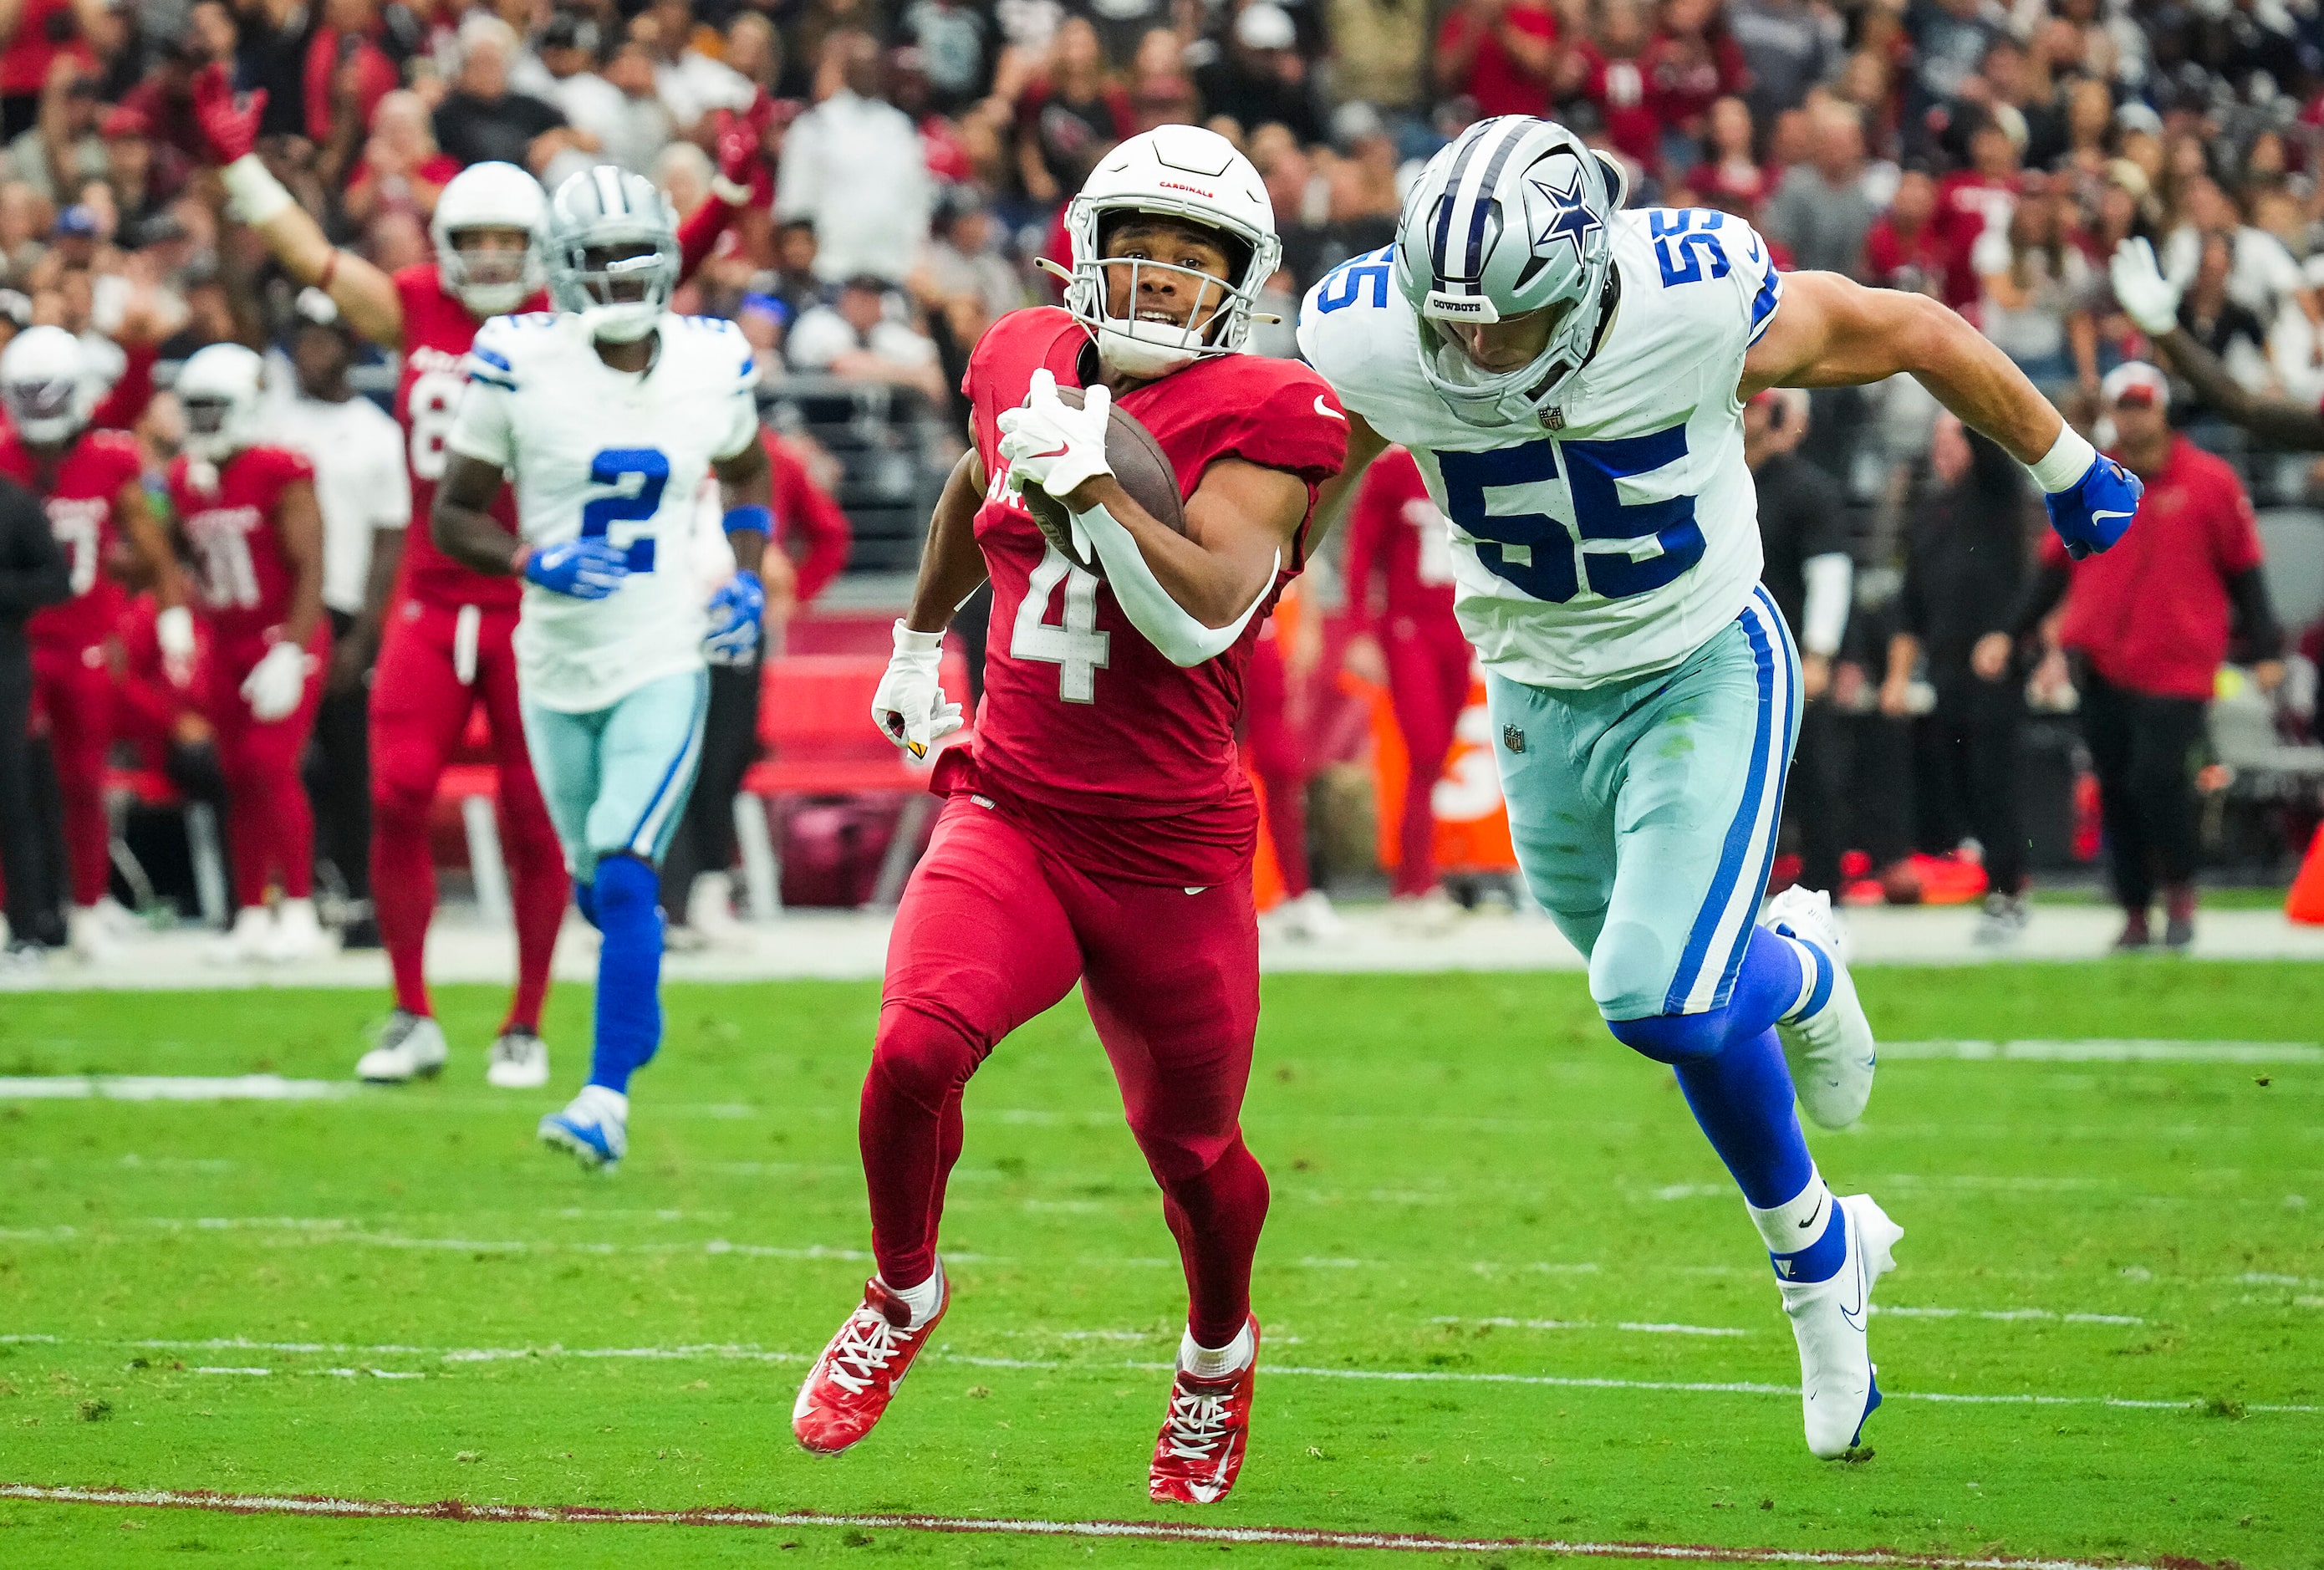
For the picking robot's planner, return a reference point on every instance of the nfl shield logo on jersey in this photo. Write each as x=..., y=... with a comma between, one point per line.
x=1554, y=418
x=1513, y=738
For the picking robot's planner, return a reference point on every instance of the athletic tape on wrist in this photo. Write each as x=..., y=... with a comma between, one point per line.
x=257, y=195
x=2067, y=461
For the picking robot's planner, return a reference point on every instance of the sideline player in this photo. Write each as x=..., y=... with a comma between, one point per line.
x=249, y=520
x=1571, y=378
x=91, y=484
x=445, y=647
x=607, y=414
x=1102, y=823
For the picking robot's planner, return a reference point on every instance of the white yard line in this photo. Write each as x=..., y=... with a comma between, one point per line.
x=172, y=1087
x=2103, y=1051
x=1165, y=1531
x=730, y=1352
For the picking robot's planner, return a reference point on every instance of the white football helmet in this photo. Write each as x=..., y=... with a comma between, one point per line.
x=489, y=196
x=1515, y=216
x=1183, y=173
x=45, y=383
x=613, y=252
x=222, y=389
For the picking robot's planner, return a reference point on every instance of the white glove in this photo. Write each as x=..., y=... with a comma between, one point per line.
x=277, y=682
x=173, y=630
x=909, y=706
x=2146, y=296
x=1052, y=446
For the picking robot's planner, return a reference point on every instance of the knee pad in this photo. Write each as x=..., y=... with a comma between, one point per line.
x=922, y=1057
x=1674, y=1038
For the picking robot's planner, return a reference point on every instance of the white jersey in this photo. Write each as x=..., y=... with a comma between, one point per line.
x=1618, y=537
x=616, y=454
x=360, y=482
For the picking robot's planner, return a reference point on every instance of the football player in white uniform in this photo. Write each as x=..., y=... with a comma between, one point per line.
x=607, y=413
x=1571, y=378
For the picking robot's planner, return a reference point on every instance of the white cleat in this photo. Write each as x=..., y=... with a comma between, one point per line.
x=1309, y=918
x=519, y=1060
x=411, y=1046
x=252, y=937
x=595, y=1127
x=298, y=934
x=1838, y=1388
x=710, y=911
x=90, y=934
x=1831, y=1050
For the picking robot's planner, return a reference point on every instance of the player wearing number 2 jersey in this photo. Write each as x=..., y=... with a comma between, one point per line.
x=1569, y=378
x=1101, y=830
x=608, y=417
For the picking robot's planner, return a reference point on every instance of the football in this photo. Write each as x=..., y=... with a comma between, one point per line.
x=1141, y=465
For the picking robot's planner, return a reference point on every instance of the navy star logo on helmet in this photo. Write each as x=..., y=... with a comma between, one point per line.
x=1570, y=216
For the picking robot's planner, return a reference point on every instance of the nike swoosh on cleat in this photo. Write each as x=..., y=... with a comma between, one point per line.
x=1206, y=1492
x=1327, y=411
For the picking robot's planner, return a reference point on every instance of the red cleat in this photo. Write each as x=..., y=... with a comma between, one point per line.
x=1200, y=1448
x=854, y=1380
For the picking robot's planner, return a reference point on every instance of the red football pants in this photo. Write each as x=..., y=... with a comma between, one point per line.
x=72, y=688
x=1428, y=686
x=270, y=825
x=436, y=663
x=1279, y=756
x=995, y=927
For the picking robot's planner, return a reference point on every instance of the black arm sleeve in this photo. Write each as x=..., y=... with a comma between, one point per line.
x=2041, y=597
x=2255, y=618
x=33, y=570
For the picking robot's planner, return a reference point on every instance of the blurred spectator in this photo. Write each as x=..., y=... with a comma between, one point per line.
x=37, y=36
x=1972, y=199
x=1822, y=210
x=2148, y=624
x=402, y=170
x=2231, y=332
x=958, y=46
x=1069, y=117
x=962, y=271
x=62, y=148
x=1382, y=44
x=1966, y=564
x=1904, y=248
x=346, y=72
x=1259, y=78
x=862, y=336
x=32, y=575
x=1692, y=62
x=1787, y=45
x=1614, y=80
x=1803, y=537
x=1161, y=93
x=2262, y=275
x=481, y=121
x=1499, y=54
x=1730, y=177
x=851, y=145
x=2029, y=275
x=1951, y=38
x=691, y=82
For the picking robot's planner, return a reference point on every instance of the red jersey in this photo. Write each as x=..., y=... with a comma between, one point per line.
x=2153, y=614
x=438, y=331
x=78, y=497
x=1632, y=116
x=1396, y=530
x=1920, y=263
x=1082, y=716
x=1498, y=84
x=245, y=580
x=1966, y=203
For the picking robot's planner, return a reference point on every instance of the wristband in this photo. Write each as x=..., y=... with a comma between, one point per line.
x=256, y=194
x=750, y=519
x=2064, y=465
x=732, y=194
x=909, y=642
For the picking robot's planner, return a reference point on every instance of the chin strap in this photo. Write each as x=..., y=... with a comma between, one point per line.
x=1168, y=624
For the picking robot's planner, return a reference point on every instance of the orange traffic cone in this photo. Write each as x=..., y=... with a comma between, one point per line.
x=2306, y=901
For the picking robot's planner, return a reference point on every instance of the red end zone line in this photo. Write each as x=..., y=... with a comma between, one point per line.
x=253, y=1504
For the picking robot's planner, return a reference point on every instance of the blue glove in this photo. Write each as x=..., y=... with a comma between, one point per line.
x=587, y=569
x=736, y=612
x=2095, y=510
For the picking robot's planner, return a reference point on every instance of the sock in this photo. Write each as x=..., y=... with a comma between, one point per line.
x=1815, y=976
x=402, y=897
x=604, y=1103
x=1742, y=1097
x=1806, y=1236
x=924, y=1299
x=1206, y=1362
x=629, y=971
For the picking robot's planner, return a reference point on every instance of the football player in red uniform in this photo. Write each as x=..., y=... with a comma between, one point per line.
x=90, y=482
x=445, y=642
x=251, y=528
x=1101, y=830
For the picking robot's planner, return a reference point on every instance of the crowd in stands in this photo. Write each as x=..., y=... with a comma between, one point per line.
x=896, y=168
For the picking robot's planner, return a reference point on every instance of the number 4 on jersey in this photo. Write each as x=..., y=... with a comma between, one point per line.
x=1075, y=647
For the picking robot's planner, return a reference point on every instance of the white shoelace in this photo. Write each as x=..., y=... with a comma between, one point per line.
x=1197, y=1424
x=865, y=1345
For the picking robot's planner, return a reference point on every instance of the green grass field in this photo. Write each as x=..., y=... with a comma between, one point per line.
x=1475, y=1187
